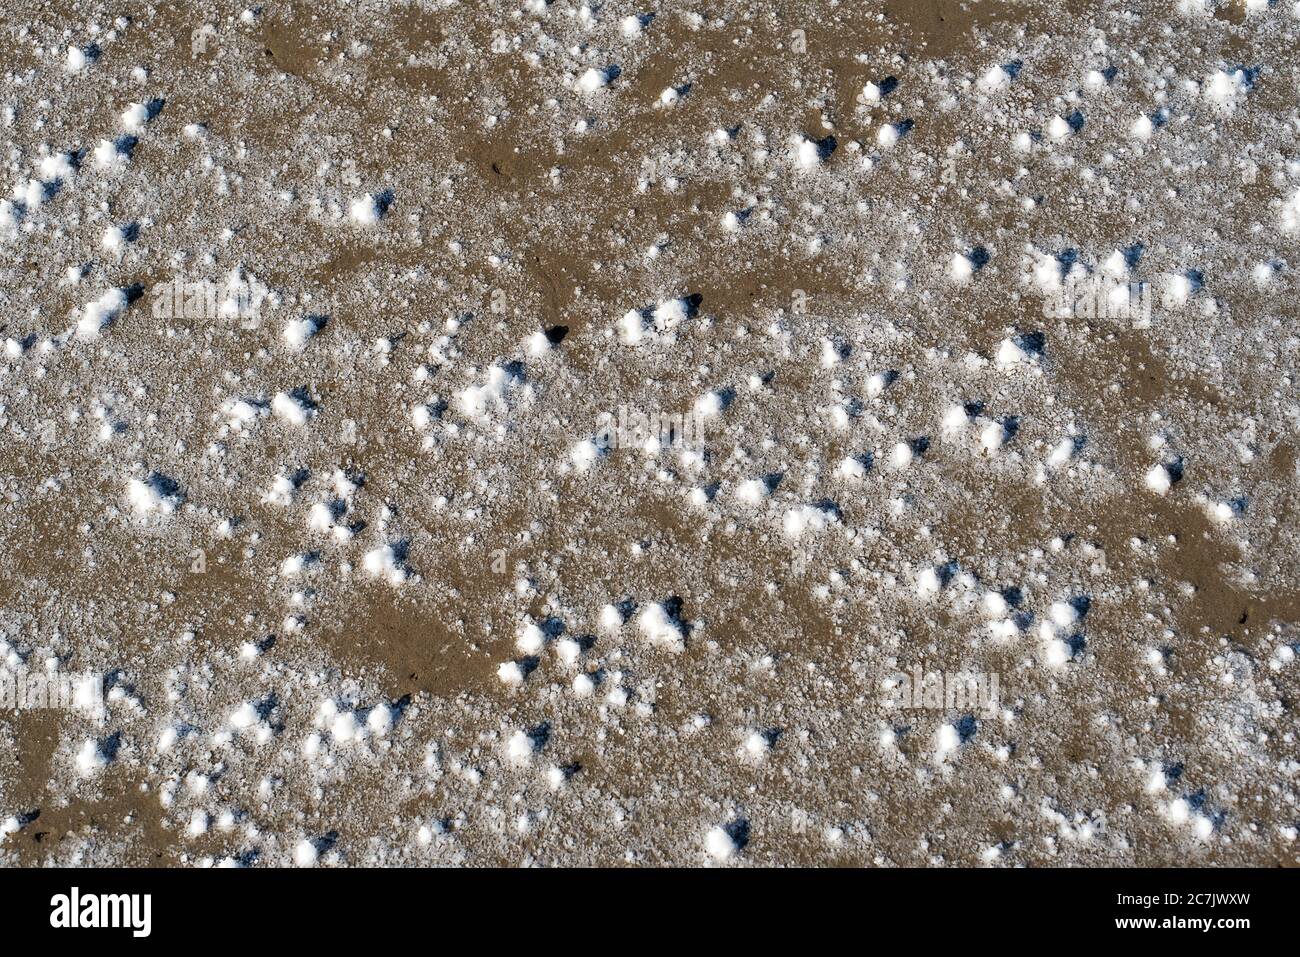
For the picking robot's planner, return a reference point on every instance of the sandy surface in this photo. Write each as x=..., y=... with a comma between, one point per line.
x=836, y=238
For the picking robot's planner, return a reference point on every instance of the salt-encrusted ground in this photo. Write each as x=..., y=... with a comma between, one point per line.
x=980, y=321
